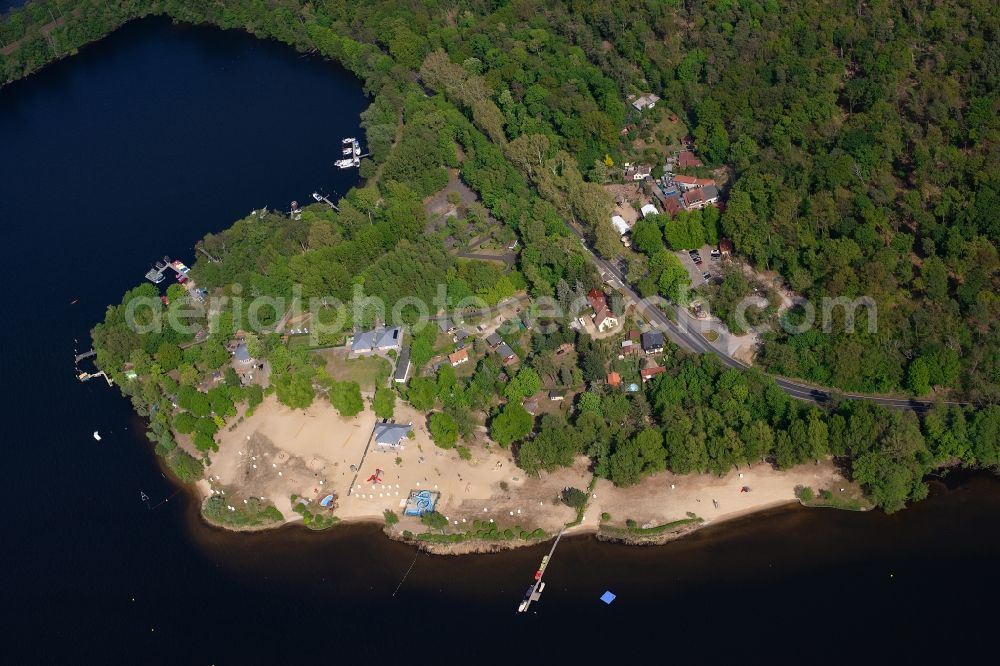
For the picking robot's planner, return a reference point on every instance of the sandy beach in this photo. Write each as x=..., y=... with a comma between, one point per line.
x=280, y=452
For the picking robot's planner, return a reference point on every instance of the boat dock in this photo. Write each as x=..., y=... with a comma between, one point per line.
x=322, y=197
x=535, y=590
x=80, y=357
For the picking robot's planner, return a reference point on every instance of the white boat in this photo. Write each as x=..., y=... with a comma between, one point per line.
x=348, y=150
x=345, y=163
x=357, y=148
x=97, y=436
x=317, y=196
x=348, y=141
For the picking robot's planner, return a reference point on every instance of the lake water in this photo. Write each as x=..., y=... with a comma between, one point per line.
x=135, y=149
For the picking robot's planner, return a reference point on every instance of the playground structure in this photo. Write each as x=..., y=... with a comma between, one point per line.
x=420, y=502
x=376, y=477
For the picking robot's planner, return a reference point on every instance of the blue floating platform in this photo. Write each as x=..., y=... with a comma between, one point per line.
x=608, y=597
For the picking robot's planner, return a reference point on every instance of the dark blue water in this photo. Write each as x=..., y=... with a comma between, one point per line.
x=159, y=134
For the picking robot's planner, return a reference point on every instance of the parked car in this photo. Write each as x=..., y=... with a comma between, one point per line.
x=707, y=276
x=716, y=255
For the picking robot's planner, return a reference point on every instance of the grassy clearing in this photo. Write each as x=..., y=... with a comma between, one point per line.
x=853, y=500
x=366, y=371
x=253, y=513
x=630, y=530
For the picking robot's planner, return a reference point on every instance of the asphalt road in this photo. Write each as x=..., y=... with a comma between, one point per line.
x=687, y=338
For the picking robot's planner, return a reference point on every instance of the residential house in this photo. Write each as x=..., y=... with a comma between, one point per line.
x=403, y=366
x=649, y=209
x=687, y=160
x=652, y=342
x=494, y=340
x=638, y=171
x=459, y=357
x=460, y=335
x=690, y=182
x=506, y=353
x=556, y=395
x=614, y=379
x=644, y=101
x=378, y=340
x=603, y=317
x=390, y=435
x=698, y=198
x=650, y=372
x=604, y=320
x=446, y=325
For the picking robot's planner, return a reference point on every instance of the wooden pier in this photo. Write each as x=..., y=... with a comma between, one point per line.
x=322, y=197
x=534, y=592
x=80, y=357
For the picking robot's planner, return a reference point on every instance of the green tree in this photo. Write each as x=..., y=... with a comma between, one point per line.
x=512, y=424
x=384, y=402
x=346, y=398
x=444, y=432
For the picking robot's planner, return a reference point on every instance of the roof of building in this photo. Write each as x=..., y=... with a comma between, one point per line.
x=461, y=334
x=460, y=356
x=556, y=394
x=710, y=192
x=614, y=379
x=378, y=338
x=649, y=209
x=602, y=316
x=445, y=325
x=402, y=365
x=493, y=339
x=646, y=100
x=505, y=351
x=687, y=159
x=242, y=354
x=695, y=196
x=681, y=179
x=646, y=373
x=597, y=300
x=391, y=433
x=652, y=340
x=671, y=205
x=620, y=225
x=641, y=170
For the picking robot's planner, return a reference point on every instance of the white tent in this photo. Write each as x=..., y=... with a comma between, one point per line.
x=620, y=225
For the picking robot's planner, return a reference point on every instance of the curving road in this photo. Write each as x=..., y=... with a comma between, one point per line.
x=690, y=339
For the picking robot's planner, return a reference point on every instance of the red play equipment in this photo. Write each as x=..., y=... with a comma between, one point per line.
x=376, y=477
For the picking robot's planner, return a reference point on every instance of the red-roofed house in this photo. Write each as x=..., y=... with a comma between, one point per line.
x=459, y=357
x=690, y=182
x=614, y=379
x=603, y=317
x=649, y=373
x=687, y=160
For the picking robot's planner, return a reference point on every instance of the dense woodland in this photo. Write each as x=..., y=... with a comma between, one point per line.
x=860, y=143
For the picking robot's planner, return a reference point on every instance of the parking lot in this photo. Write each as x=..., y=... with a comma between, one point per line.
x=708, y=265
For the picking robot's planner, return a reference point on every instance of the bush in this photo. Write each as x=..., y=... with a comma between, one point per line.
x=574, y=497
x=434, y=520
x=390, y=517
x=806, y=494
x=184, y=466
x=631, y=524
x=605, y=516
x=464, y=453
